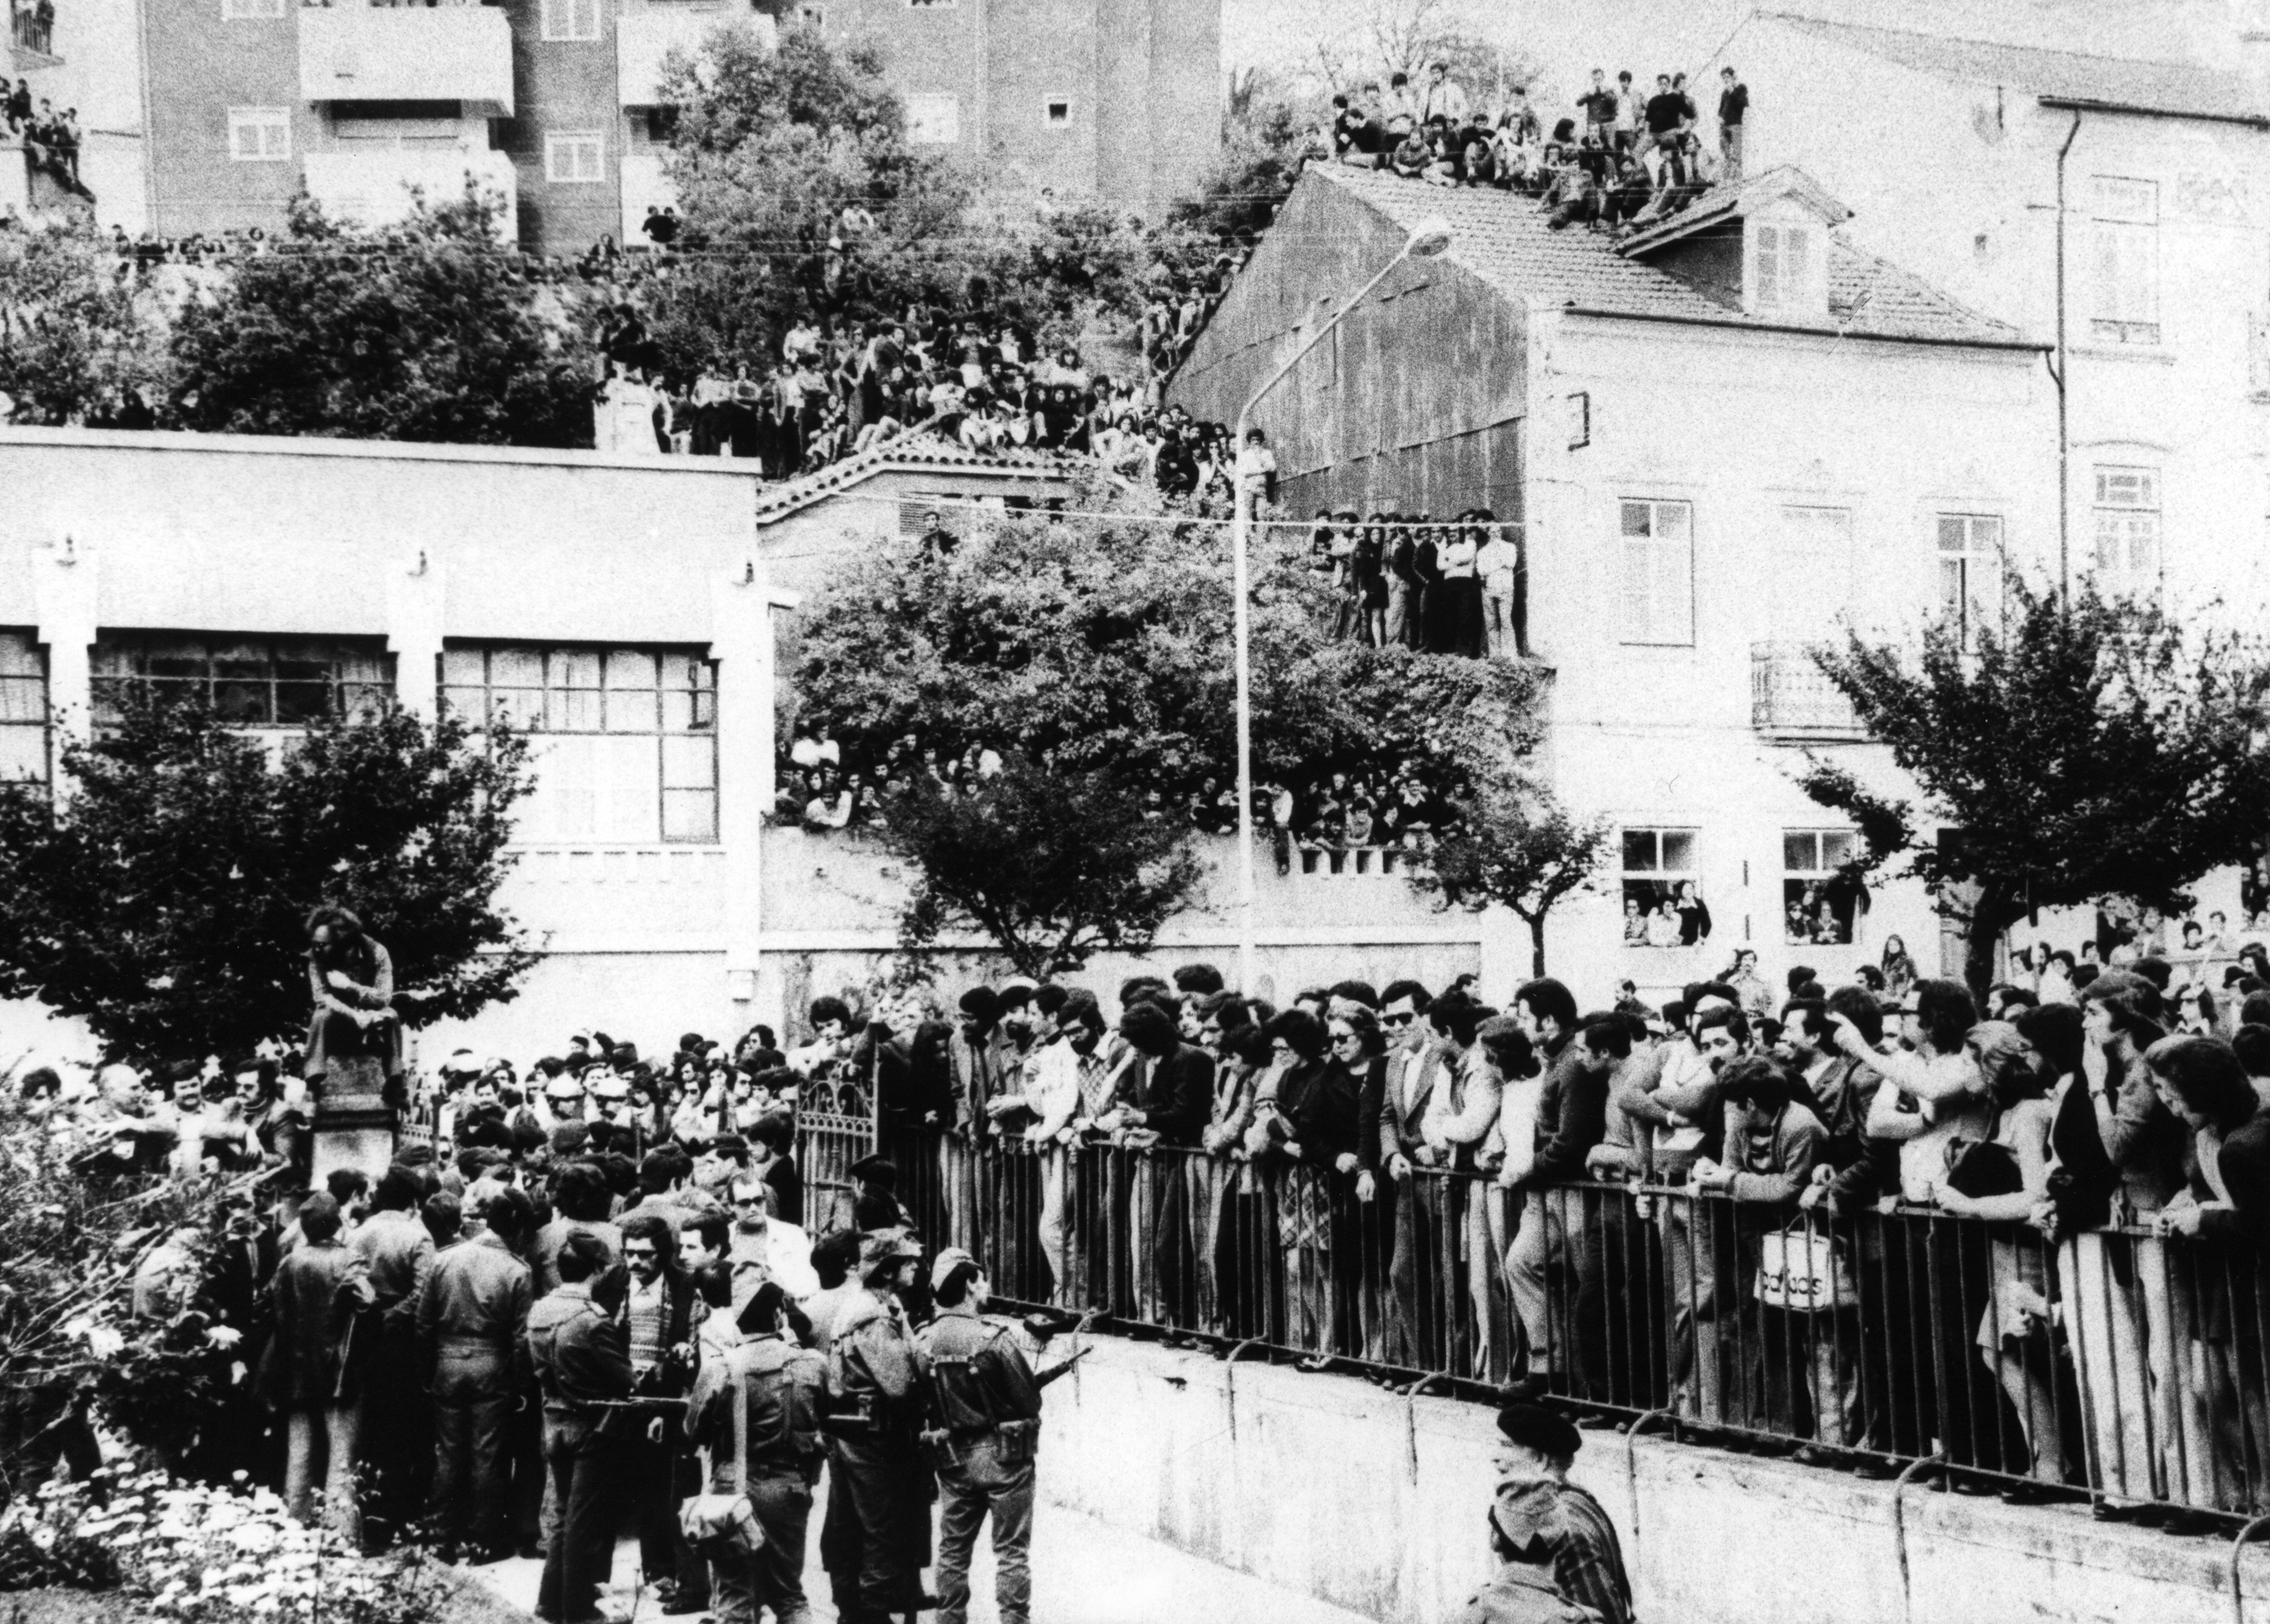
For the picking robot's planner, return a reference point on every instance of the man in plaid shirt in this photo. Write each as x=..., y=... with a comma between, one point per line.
x=1540, y=1446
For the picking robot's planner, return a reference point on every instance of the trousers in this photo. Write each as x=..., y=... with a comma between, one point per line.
x=473, y=1409
x=341, y=1426
x=982, y=1485
x=876, y=1540
x=774, y=1577
x=587, y=1474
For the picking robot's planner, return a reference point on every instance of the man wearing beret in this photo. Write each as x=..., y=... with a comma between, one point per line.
x=985, y=1412
x=1535, y=1450
x=876, y=1539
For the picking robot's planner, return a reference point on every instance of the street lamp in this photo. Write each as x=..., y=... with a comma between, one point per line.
x=1427, y=239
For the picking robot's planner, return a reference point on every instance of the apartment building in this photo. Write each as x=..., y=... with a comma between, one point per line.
x=557, y=105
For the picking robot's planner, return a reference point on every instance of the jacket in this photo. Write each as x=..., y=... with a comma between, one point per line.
x=580, y=1359
x=1175, y=1092
x=2145, y=1139
x=974, y=1373
x=1410, y=1085
x=399, y=1250
x=1572, y=1116
x=1798, y=1137
x=1317, y=1109
x=320, y=1290
x=870, y=1372
x=1522, y=1594
x=786, y=1387
x=980, y=1070
x=1463, y=1108
x=1370, y=1102
x=476, y=1300
x=1235, y=1097
x=2242, y=1163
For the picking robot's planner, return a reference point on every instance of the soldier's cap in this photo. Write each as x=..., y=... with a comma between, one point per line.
x=564, y=1086
x=612, y=1087
x=881, y=1250
x=945, y=1263
x=568, y=1138
x=879, y=1171
x=1534, y=1426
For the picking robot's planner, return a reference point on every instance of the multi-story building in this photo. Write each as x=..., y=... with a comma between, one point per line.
x=1118, y=100
x=557, y=105
x=2108, y=209
x=1723, y=439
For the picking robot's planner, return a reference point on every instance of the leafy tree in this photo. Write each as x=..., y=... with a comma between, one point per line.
x=163, y=900
x=426, y=330
x=1403, y=36
x=1054, y=867
x=73, y=339
x=2088, y=748
x=1515, y=844
x=1097, y=652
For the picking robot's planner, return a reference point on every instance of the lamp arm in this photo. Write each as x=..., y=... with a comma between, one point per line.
x=1245, y=412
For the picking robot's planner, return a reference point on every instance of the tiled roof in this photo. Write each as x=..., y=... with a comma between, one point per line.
x=909, y=451
x=1503, y=238
x=2179, y=87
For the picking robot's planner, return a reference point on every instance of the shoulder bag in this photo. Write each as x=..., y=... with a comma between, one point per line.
x=723, y=1528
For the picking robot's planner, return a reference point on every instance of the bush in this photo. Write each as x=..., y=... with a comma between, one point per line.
x=206, y=1555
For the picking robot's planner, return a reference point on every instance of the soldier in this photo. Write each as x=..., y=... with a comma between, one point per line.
x=473, y=1324
x=583, y=1365
x=782, y=1386
x=986, y=1421
x=877, y=1537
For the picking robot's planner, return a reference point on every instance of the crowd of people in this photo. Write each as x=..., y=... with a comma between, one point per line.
x=1369, y=804
x=1629, y=158
x=1402, y=580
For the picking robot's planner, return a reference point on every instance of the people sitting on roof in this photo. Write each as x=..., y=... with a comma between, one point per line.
x=1637, y=158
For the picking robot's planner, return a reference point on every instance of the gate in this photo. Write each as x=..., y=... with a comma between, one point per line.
x=837, y=1125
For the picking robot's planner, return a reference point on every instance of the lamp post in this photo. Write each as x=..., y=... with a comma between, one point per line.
x=1427, y=239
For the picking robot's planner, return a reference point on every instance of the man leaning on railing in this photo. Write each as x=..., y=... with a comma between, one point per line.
x=1571, y=1117
x=1162, y=1104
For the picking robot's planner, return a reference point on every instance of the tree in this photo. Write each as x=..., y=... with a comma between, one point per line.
x=1403, y=36
x=1053, y=867
x=1095, y=651
x=73, y=339
x=2088, y=748
x=163, y=900
x=1515, y=844
x=426, y=330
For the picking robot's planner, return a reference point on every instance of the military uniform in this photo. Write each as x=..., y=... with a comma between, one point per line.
x=784, y=1386
x=985, y=1412
x=581, y=1363
x=876, y=1540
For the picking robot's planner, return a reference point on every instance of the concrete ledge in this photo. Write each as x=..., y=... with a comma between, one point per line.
x=1375, y=1502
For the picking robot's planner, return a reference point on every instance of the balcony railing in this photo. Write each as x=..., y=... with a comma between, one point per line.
x=1876, y=1338
x=1792, y=697
x=451, y=53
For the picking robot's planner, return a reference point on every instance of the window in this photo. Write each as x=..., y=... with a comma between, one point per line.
x=1059, y=112
x=574, y=158
x=1969, y=573
x=1819, y=897
x=1811, y=582
x=2125, y=300
x=571, y=20
x=934, y=120
x=250, y=11
x=2128, y=531
x=1785, y=270
x=1662, y=898
x=251, y=682
x=628, y=746
x=260, y=135
x=1658, y=566
x=23, y=710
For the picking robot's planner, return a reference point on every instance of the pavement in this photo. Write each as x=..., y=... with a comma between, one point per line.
x=1084, y=1572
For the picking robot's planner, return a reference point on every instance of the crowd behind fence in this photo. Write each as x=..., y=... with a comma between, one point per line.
x=2120, y=1364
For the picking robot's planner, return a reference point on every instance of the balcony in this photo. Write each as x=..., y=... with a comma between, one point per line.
x=1793, y=700
x=373, y=185
x=645, y=37
x=451, y=53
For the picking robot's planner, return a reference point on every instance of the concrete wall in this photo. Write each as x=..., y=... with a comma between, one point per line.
x=1377, y=1503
